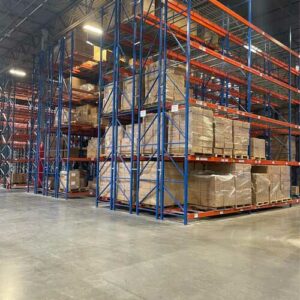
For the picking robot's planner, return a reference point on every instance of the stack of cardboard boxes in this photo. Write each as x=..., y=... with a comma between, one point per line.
x=92, y=148
x=149, y=134
x=240, y=138
x=270, y=184
x=108, y=98
x=223, y=139
x=258, y=148
x=200, y=131
x=127, y=140
x=87, y=114
x=127, y=95
x=77, y=180
x=18, y=178
x=280, y=148
x=175, y=83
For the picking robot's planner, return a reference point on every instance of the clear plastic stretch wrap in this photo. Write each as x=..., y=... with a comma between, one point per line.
x=279, y=178
x=213, y=191
x=242, y=180
x=200, y=131
x=175, y=83
x=260, y=188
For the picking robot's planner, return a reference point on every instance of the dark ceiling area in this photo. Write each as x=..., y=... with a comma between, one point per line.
x=24, y=22
x=274, y=17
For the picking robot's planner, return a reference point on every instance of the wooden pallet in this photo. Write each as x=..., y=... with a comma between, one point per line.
x=262, y=203
x=241, y=156
x=279, y=201
x=257, y=158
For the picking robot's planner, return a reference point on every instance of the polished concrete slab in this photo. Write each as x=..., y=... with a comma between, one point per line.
x=56, y=249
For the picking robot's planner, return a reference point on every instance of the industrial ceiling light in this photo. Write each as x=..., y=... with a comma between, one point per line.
x=90, y=43
x=93, y=29
x=17, y=72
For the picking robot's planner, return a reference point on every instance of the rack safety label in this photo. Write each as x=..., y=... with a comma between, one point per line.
x=143, y=113
x=174, y=108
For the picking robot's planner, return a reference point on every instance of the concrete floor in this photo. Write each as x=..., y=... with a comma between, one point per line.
x=56, y=249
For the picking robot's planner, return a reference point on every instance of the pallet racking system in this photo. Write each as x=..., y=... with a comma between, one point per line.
x=15, y=122
x=246, y=75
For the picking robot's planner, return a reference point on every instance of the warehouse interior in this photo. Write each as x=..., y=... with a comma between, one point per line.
x=149, y=149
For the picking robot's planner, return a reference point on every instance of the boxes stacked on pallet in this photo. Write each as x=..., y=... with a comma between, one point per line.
x=285, y=183
x=258, y=148
x=108, y=96
x=87, y=114
x=216, y=191
x=65, y=116
x=223, y=139
x=173, y=184
x=280, y=148
x=260, y=188
x=200, y=131
x=127, y=95
x=175, y=83
x=104, y=179
x=92, y=148
x=279, y=181
x=149, y=128
x=240, y=138
x=294, y=190
x=242, y=181
x=123, y=182
x=126, y=140
x=108, y=139
x=18, y=178
x=74, y=180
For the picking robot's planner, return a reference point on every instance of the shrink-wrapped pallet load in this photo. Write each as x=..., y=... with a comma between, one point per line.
x=260, y=188
x=87, y=114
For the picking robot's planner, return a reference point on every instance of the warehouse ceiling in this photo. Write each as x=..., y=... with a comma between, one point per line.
x=24, y=22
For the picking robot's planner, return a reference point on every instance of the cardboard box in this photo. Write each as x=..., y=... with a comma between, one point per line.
x=92, y=148
x=175, y=83
x=200, y=131
x=127, y=94
x=260, y=188
x=258, y=148
x=74, y=180
x=223, y=140
x=280, y=146
x=240, y=137
x=127, y=140
x=87, y=114
x=295, y=190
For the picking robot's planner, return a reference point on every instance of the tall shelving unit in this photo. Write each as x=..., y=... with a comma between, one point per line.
x=14, y=122
x=56, y=133
x=250, y=77
x=247, y=75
